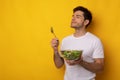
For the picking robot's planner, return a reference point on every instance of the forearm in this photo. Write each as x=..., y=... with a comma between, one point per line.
x=93, y=67
x=58, y=60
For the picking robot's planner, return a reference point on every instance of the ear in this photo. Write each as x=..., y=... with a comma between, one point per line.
x=86, y=22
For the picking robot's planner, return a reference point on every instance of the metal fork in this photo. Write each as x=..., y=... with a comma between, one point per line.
x=52, y=31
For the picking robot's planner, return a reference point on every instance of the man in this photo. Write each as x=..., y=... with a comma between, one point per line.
x=92, y=60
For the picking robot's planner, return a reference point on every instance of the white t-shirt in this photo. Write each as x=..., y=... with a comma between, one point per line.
x=92, y=48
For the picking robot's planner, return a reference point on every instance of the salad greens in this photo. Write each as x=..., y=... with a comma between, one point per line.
x=72, y=55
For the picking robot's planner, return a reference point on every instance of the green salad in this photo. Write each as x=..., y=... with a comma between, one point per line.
x=71, y=54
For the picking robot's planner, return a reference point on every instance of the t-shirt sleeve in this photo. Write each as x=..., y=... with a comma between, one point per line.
x=98, y=50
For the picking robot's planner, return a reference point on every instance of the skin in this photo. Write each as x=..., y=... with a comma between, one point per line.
x=79, y=24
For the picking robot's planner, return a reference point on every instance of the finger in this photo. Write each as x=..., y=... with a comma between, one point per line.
x=70, y=62
x=54, y=42
x=55, y=39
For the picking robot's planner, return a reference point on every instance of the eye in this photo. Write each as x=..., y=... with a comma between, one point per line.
x=78, y=17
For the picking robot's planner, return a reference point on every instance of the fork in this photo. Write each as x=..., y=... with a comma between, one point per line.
x=52, y=31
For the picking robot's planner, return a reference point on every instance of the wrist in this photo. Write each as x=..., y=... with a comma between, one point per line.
x=82, y=62
x=55, y=50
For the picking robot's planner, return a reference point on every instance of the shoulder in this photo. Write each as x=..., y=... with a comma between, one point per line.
x=92, y=36
x=95, y=39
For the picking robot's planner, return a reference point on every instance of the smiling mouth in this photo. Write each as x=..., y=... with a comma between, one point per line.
x=73, y=22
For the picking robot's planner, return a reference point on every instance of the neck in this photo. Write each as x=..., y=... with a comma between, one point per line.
x=80, y=32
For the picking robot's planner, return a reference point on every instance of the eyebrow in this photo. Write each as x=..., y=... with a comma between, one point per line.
x=79, y=15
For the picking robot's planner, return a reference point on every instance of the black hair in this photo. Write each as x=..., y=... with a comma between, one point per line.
x=87, y=14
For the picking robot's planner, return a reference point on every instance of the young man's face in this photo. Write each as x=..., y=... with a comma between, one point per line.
x=77, y=20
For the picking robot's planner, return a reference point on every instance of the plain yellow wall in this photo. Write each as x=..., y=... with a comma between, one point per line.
x=25, y=51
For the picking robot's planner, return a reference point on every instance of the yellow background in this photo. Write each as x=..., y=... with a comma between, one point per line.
x=25, y=51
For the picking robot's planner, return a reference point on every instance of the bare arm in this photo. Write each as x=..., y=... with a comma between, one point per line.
x=96, y=66
x=58, y=60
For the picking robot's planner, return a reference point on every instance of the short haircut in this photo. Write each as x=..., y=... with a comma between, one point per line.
x=86, y=13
